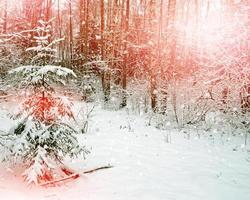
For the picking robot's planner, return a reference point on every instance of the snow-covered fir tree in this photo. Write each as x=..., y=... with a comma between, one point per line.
x=40, y=139
x=44, y=52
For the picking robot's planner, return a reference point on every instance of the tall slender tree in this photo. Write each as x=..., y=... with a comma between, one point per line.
x=125, y=63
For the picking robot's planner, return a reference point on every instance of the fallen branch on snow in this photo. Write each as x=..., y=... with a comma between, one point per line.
x=54, y=182
x=74, y=176
x=96, y=169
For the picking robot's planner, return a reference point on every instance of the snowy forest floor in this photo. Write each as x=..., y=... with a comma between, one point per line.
x=145, y=165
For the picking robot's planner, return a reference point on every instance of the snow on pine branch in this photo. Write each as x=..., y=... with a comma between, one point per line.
x=40, y=48
x=41, y=147
x=35, y=74
x=37, y=167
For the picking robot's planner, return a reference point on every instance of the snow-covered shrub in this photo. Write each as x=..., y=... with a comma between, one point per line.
x=88, y=86
x=210, y=102
x=138, y=98
x=84, y=117
x=193, y=101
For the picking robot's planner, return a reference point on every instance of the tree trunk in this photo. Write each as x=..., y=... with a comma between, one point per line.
x=70, y=33
x=5, y=17
x=172, y=53
x=163, y=78
x=105, y=74
x=152, y=65
x=125, y=64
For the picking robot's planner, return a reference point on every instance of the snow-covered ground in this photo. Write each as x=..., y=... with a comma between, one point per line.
x=146, y=167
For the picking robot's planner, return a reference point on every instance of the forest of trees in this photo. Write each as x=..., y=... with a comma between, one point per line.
x=176, y=59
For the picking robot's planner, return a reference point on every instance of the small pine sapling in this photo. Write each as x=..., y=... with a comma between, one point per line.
x=41, y=140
